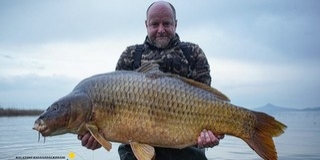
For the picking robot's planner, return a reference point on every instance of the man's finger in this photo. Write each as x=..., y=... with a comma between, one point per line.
x=80, y=137
x=200, y=145
x=90, y=142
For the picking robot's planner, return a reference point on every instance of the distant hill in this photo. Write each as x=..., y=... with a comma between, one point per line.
x=9, y=112
x=311, y=109
x=273, y=108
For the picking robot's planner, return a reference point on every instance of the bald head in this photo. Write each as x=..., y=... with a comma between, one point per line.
x=162, y=4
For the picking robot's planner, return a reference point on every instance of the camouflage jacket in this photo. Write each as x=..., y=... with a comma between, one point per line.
x=171, y=59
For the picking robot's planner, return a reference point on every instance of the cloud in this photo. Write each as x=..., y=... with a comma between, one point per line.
x=286, y=28
x=253, y=84
x=33, y=91
x=28, y=22
x=73, y=59
x=259, y=51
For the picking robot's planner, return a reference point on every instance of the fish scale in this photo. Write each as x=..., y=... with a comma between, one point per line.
x=150, y=108
x=167, y=108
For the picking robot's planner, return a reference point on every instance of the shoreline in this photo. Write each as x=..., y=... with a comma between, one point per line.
x=11, y=112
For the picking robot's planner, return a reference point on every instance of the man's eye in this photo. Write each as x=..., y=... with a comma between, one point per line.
x=154, y=24
x=166, y=24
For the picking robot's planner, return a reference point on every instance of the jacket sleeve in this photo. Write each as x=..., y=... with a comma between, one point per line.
x=126, y=59
x=201, y=67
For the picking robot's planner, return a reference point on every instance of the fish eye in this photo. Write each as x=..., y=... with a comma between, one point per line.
x=55, y=107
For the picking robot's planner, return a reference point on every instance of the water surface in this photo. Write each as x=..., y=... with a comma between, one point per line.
x=18, y=141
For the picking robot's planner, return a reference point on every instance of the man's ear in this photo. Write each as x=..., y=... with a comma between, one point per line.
x=176, y=23
x=146, y=23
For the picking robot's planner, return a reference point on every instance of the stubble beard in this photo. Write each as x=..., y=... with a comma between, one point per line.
x=161, y=42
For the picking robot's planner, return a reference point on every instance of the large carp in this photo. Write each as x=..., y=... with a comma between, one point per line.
x=149, y=108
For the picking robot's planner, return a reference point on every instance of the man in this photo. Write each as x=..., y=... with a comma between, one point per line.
x=163, y=46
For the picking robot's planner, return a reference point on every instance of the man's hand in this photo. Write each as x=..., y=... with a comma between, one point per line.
x=88, y=141
x=208, y=139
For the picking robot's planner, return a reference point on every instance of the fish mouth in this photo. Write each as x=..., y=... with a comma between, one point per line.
x=41, y=127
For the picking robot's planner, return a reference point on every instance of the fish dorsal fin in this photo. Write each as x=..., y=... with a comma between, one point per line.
x=203, y=86
x=153, y=69
x=149, y=67
x=95, y=133
x=142, y=151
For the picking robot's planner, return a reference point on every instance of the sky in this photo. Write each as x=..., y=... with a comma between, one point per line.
x=260, y=51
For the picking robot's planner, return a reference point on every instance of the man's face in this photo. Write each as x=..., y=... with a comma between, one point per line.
x=161, y=25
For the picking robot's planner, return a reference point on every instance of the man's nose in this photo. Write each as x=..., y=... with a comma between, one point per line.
x=161, y=29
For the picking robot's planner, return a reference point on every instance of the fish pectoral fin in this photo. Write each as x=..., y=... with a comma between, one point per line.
x=142, y=151
x=95, y=133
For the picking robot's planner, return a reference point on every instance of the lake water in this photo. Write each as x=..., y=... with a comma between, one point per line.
x=18, y=141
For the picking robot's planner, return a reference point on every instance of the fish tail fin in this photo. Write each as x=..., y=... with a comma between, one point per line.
x=261, y=141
